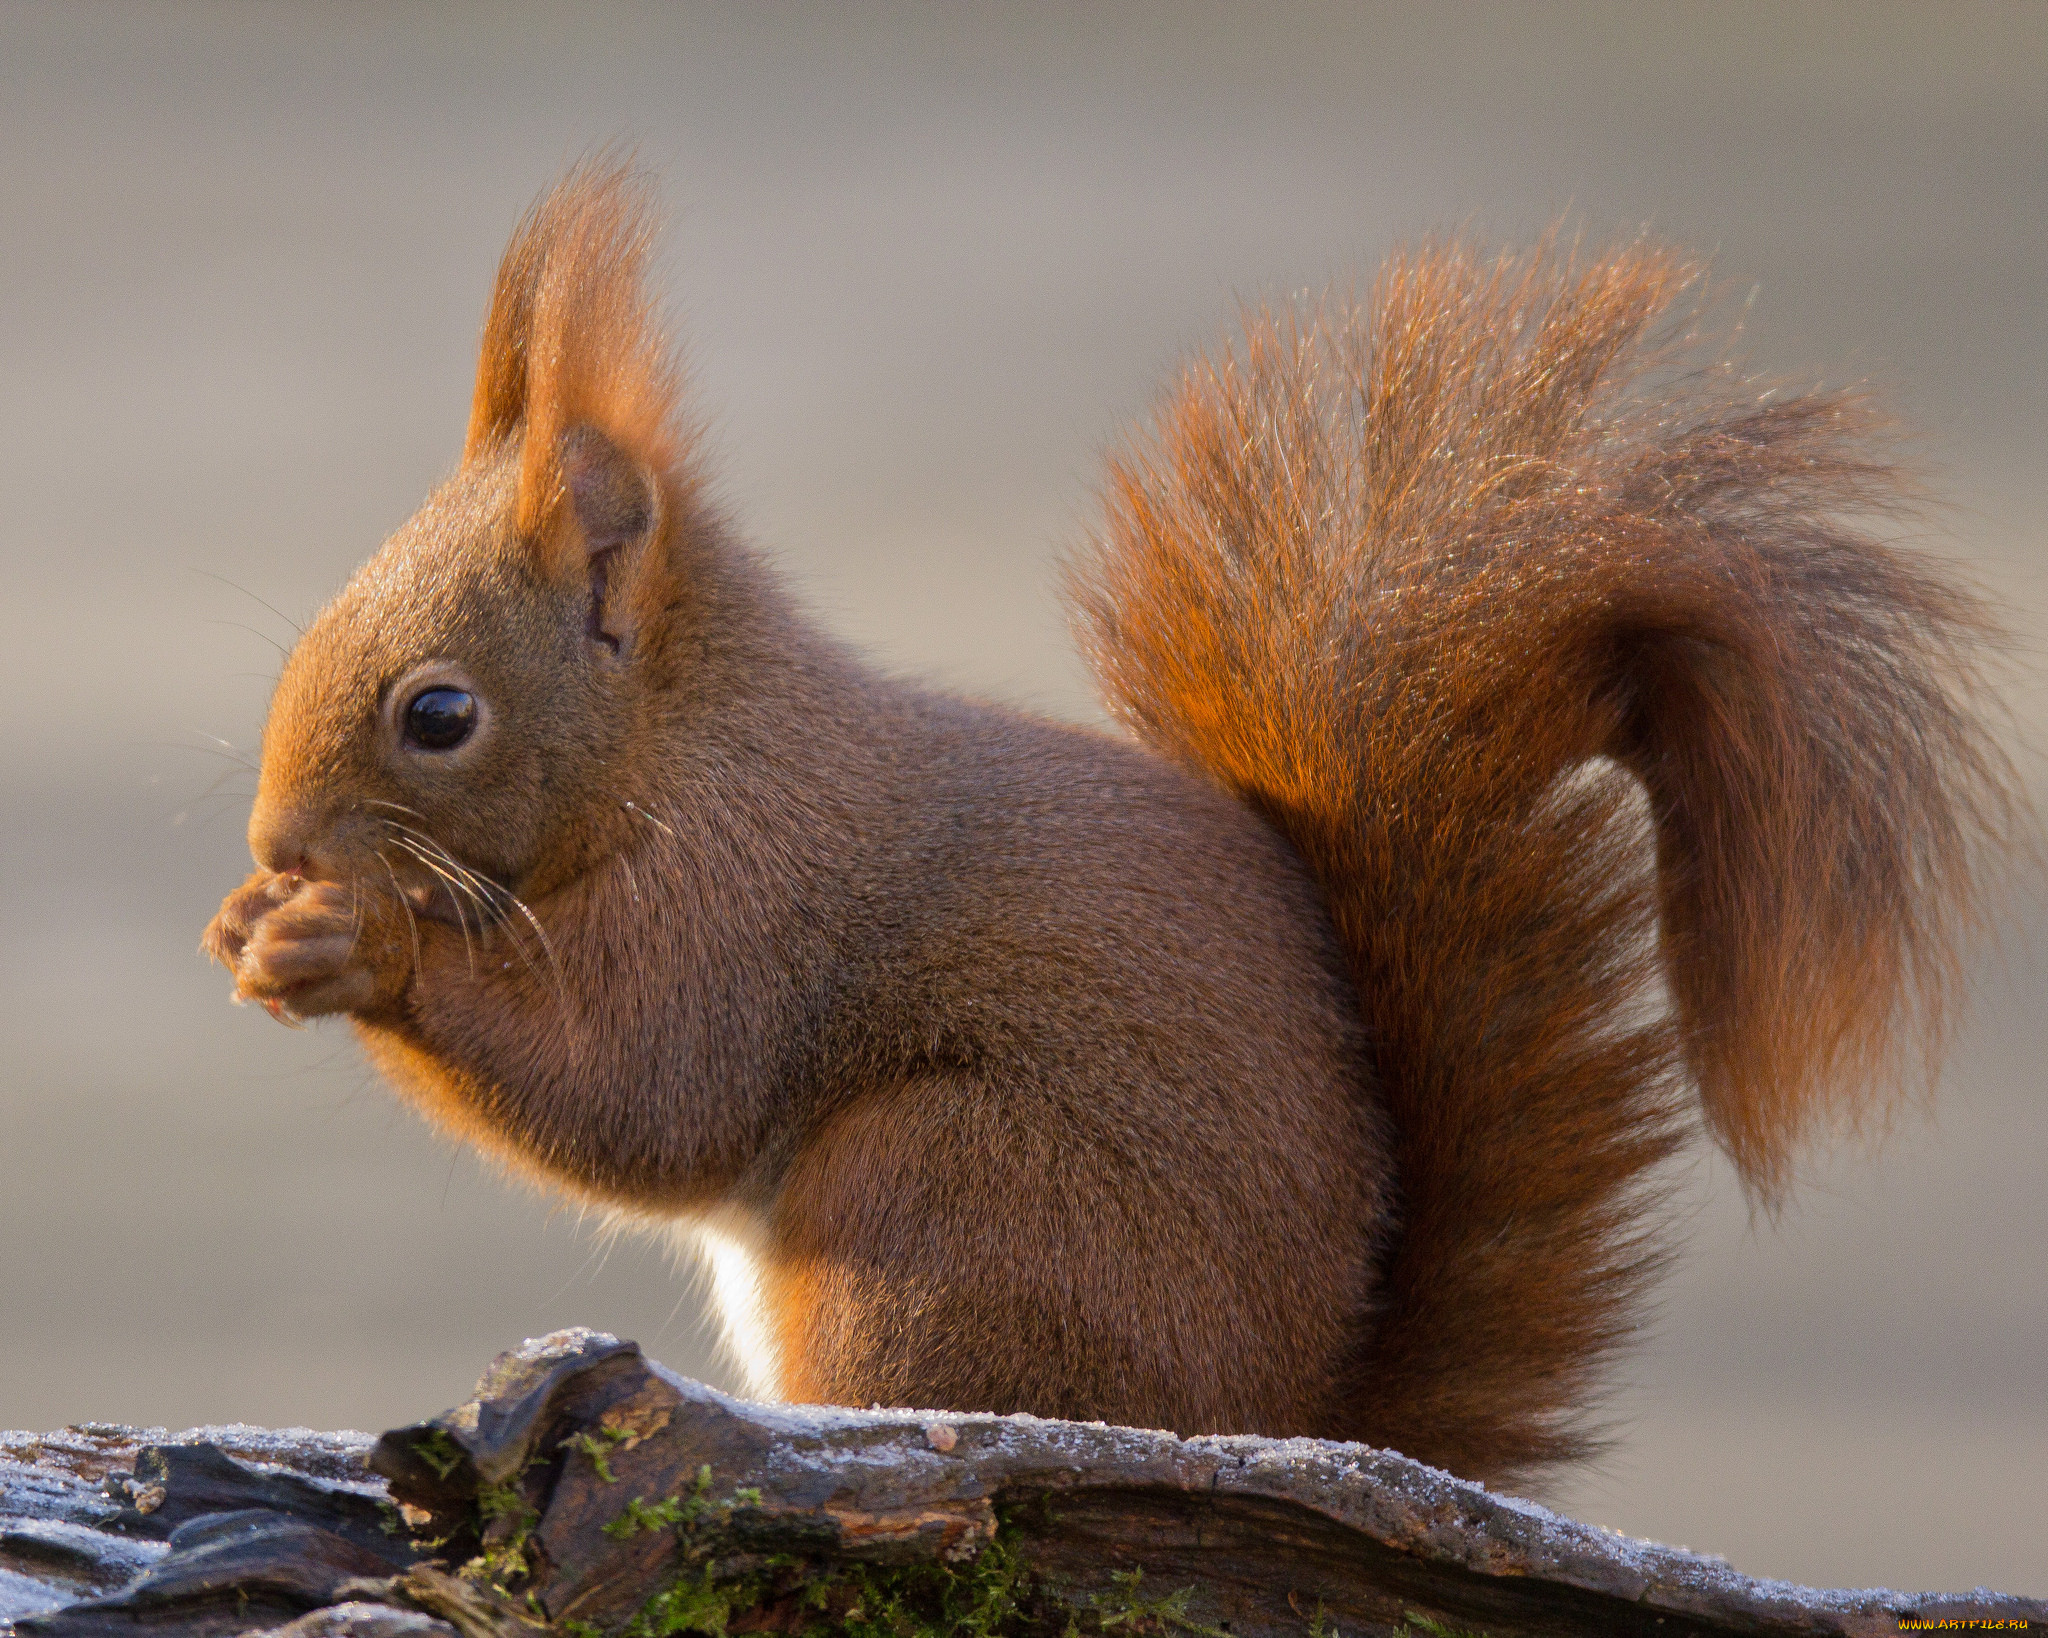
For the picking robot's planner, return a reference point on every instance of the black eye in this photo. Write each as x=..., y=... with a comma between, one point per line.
x=439, y=719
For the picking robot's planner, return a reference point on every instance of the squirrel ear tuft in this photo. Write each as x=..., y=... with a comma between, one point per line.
x=500, y=401
x=572, y=347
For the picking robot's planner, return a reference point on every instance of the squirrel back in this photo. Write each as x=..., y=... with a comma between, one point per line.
x=1631, y=767
x=1540, y=746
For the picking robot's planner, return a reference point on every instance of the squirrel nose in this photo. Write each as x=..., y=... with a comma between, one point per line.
x=287, y=842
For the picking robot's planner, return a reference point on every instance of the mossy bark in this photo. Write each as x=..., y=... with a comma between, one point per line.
x=586, y=1491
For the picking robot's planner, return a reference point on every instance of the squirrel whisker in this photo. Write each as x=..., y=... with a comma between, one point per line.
x=437, y=858
x=457, y=892
x=485, y=885
x=398, y=892
x=220, y=748
x=297, y=629
x=641, y=813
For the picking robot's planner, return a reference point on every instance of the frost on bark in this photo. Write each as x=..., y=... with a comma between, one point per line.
x=586, y=1490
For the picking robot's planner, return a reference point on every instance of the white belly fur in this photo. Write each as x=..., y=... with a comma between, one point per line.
x=725, y=1246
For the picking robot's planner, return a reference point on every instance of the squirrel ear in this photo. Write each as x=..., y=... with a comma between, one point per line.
x=612, y=495
x=572, y=336
x=616, y=504
x=577, y=375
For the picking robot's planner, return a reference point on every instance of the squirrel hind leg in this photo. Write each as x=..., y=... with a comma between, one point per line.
x=952, y=1244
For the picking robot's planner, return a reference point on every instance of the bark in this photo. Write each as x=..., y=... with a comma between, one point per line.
x=587, y=1490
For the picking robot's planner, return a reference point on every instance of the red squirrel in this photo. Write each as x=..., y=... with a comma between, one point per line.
x=1534, y=759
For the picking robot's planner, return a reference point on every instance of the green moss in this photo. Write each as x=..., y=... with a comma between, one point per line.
x=495, y=1502
x=700, y=1602
x=688, y=1513
x=640, y=1517
x=979, y=1599
x=508, y=1521
x=721, y=1579
x=1127, y=1607
x=992, y=1596
x=598, y=1447
x=438, y=1451
x=1418, y=1622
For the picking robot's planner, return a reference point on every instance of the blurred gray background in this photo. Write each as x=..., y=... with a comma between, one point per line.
x=927, y=261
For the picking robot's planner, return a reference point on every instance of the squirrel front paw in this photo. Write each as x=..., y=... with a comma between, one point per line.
x=302, y=949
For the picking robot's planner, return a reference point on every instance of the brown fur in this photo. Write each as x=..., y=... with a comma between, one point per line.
x=1299, y=1080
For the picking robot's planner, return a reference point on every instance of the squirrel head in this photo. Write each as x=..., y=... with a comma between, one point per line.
x=481, y=682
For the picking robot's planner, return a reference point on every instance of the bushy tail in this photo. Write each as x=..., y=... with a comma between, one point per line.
x=1419, y=580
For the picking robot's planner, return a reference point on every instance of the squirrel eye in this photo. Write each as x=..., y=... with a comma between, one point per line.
x=439, y=719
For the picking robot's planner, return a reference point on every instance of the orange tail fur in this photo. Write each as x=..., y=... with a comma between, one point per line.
x=1419, y=580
